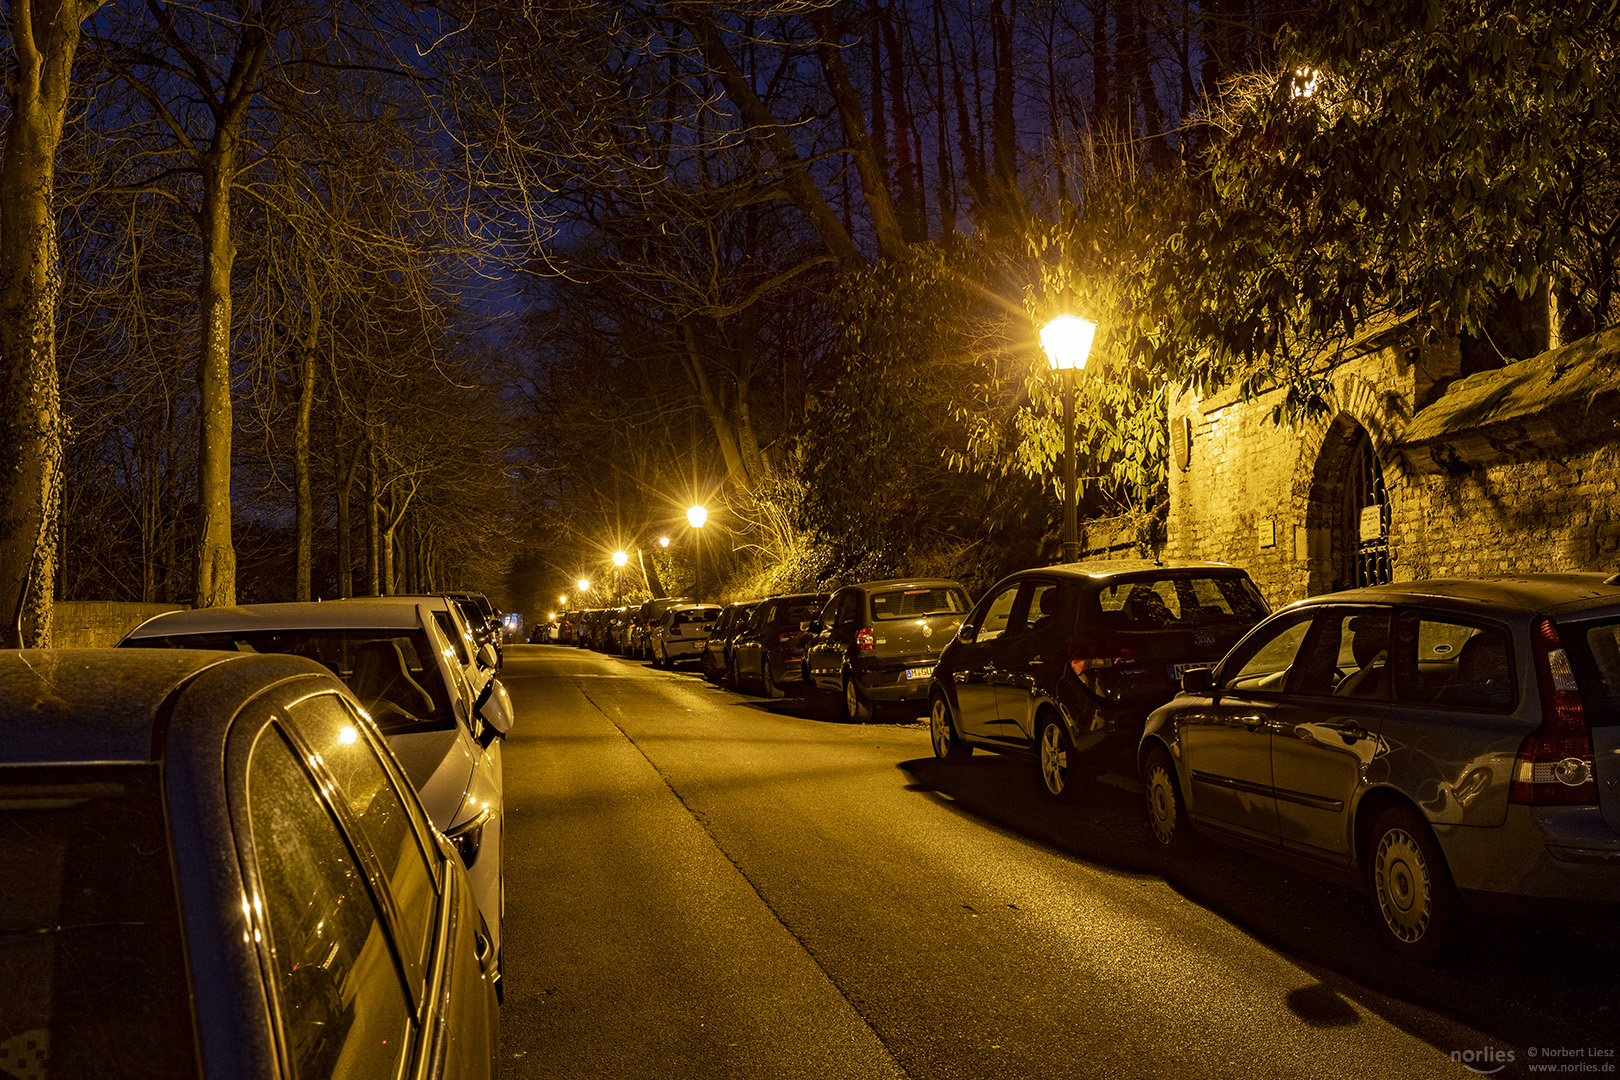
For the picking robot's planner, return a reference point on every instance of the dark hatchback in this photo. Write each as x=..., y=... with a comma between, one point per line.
x=878, y=641
x=213, y=866
x=769, y=653
x=1066, y=662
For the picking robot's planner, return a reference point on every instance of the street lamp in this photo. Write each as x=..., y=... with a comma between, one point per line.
x=619, y=559
x=695, y=517
x=1067, y=341
x=663, y=541
x=584, y=584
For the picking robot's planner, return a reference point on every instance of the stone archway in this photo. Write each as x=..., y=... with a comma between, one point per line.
x=1347, y=512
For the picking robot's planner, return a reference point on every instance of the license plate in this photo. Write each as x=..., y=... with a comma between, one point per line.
x=1176, y=670
x=919, y=672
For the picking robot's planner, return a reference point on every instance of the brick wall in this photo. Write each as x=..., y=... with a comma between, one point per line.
x=1515, y=494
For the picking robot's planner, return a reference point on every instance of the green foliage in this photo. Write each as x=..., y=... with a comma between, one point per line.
x=918, y=337
x=1449, y=152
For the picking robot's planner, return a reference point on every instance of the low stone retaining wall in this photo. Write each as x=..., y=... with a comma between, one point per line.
x=97, y=624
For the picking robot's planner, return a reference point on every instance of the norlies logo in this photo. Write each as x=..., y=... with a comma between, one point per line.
x=1485, y=1061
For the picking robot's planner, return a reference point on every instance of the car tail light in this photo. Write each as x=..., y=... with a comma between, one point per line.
x=787, y=637
x=1088, y=657
x=865, y=640
x=675, y=630
x=1554, y=766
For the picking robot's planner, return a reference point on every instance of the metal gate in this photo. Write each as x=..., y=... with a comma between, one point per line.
x=1367, y=504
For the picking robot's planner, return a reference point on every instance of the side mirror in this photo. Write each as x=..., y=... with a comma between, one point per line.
x=1198, y=680
x=967, y=634
x=812, y=627
x=494, y=709
x=488, y=658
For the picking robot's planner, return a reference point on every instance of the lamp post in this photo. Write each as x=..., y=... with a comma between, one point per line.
x=619, y=559
x=696, y=517
x=1067, y=341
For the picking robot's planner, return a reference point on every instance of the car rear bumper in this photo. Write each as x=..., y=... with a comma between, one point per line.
x=1562, y=856
x=904, y=681
x=682, y=649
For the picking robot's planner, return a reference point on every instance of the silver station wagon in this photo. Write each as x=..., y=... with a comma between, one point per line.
x=1441, y=743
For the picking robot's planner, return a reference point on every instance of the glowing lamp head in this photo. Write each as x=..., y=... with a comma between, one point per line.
x=1067, y=341
x=696, y=516
x=663, y=541
x=620, y=558
x=584, y=584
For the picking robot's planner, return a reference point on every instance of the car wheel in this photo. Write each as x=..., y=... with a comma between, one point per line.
x=1166, y=812
x=857, y=707
x=1054, y=751
x=772, y=690
x=948, y=745
x=1418, y=907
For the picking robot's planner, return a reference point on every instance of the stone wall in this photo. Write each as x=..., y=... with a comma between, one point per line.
x=95, y=624
x=1516, y=470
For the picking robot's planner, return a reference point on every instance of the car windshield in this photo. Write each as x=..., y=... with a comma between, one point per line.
x=915, y=603
x=89, y=934
x=1180, y=600
x=388, y=670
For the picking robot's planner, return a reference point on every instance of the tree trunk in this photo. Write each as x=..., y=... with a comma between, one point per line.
x=306, y=504
x=216, y=554
x=373, y=523
x=864, y=150
x=343, y=474
x=44, y=39
x=796, y=178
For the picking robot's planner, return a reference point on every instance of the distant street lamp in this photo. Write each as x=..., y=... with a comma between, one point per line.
x=1067, y=341
x=695, y=517
x=562, y=598
x=619, y=559
x=584, y=584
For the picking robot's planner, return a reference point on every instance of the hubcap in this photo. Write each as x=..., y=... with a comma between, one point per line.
x=1054, y=760
x=1403, y=885
x=940, y=727
x=1161, y=805
x=852, y=701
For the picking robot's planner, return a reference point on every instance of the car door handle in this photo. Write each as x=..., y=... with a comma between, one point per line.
x=1253, y=723
x=1348, y=730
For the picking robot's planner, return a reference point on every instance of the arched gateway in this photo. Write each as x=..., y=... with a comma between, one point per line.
x=1347, y=512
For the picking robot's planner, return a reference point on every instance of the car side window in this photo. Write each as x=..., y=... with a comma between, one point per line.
x=1045, y=604
x=1265, y=662
x=849, y=608
x=998, y=613
x=342, y=999
x=1440, y=661
x=1348, y=655
x=373, y=796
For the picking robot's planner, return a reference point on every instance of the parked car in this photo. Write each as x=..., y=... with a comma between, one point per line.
x=566, y=627
x=1064, y=663
x=486, y=625
x=1440, y=742
x=878, y=641
x=214, y=865
x=716, y=658
x=402, y=667
x=648, y=616
x=770, y=652
x=682, y=633
x=479, y=659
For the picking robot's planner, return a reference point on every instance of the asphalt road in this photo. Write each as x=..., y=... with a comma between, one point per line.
x=704, y=884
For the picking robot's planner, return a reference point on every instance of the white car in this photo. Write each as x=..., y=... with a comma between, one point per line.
x=396, y=658
x=682, y=633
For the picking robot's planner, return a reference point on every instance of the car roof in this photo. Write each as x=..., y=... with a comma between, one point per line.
x=1107, y=568
x=60, y=706
x=1549, y=593
x=371, y=612
x=906, y=583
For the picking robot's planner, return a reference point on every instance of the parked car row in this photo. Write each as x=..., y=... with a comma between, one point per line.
x=268, y=840
x=1446, y=745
